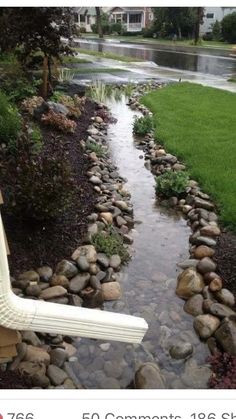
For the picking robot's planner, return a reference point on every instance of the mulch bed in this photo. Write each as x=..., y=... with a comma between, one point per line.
x=14, y=380
x=225, y=258
x=32, y=243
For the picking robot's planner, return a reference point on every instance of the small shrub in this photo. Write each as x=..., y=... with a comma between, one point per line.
x=110, y=243
x=224, y=371
x=32, y=103
x=10, y=122
x=96, y=148
x=172, y=183
x=59, y=121
x=65, y=75
x=143, y=125
x=38, y=187
x=228, y=25
x=18, y=87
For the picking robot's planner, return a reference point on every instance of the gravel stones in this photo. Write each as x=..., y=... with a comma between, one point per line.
x=56, y=375
x=203, y=251
x=88, y=251
x=35, y=354
x=205, y=325
x=206, y=265
x=193, y=305
x=149, y=376
x=181, y=350
x=225, y=297
x=115, y=262
x=58, y=356
x=79, y=282
x=45, y=273
x=31, y=276
x=189, y=283
x=226, y=336
x=53, y=292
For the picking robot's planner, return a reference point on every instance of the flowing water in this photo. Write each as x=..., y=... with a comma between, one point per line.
x=148, y=282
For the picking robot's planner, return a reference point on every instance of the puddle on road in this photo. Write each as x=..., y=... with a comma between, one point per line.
x=148, y=282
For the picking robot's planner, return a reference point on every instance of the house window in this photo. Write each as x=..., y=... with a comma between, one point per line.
x=210, y=15
x=76, y=18
x=88, y=20
x=82, y=18
x=135, y=18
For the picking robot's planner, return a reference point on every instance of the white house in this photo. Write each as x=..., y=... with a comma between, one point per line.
x=133, y=19
x=85, y=17
x=211, y=15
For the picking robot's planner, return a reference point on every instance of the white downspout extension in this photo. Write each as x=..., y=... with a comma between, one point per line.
x=40, y=316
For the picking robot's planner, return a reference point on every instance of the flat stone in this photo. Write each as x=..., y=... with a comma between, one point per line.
x=61, y=280
x=203, y=251
x=82, y=263
x=107, y=217
x=210, y=230
x=31, y=276
x=103, y=260
x=88, y=251
x=216, y=285
x=122, y=205
x=53, y=292
x=181, y=350
x=95, y=180
x=45, y=273
x=56, y=375
x=115, y=261
x=111, y=291
x=193, y=305
x=120, y=221
x=33, y=290
x=202, y=203
x=226, y=297
x=226, y=336
x=205, y=240
x=35, y=354
x=75, y=300
x=189, y=283
x=205, y=325
x=58, y=356
x=148, y=377
x=188, y=263
x=30, y=337
x=66, y=268
x=79, y=282
x=206, y=265
x=220, y=310
x=95, y=283
x=196, y=377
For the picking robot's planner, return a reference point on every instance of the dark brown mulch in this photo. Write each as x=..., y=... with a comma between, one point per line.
x=36, y=243
x=225, y=258
x=14, y=380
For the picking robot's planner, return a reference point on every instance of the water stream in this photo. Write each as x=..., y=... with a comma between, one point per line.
x=148, y=282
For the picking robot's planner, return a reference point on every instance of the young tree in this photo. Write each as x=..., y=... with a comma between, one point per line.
x=229, y=28
x=174, y=21
x=99, y=22
x=199, y=13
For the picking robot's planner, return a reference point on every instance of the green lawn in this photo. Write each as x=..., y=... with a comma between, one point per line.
x=198, y=124
x=110, y=55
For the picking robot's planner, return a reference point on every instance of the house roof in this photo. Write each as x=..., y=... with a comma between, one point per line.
x=86, y=11
x=128, y=9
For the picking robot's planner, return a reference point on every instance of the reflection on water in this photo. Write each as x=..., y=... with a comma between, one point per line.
x=148, y=281
x=202, y=63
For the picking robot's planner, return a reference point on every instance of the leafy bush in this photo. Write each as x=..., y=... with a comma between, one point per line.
x=208, y=36
x=224, y=371
x=59, y=121
x=172, y=183
x=228, y=25
x=18, y=88
x=116, y=28
x=110, y=243
x=38, y=186
x=96, y=148
x=72, y=104
x=10, y=121
x=216, y=31
x=143, y=125
x=148, y=32
x=32, y=103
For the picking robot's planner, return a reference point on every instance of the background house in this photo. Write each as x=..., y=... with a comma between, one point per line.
x=85, y=17
x=133, y=19
x=211, y=15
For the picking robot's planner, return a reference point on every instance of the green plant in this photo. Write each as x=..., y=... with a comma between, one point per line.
x=128, y=89
x=143, y=125
x=10, y=122
x=65, y=75
x=228, y=25
x=98, y=91
x=36, y=139
x=110, y=243
x=216, y=31
x=172, y=183
x=59, y=121
x=96, y=148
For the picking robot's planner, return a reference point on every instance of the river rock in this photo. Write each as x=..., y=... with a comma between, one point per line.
x=92, y=298
x=122, y=205
x=33, y=290
x=115, y=261
x=103, y=260
x=181, y=350
x=61, y=280
x=215, y=285
x=30, y=337
x=53, y=292
x=203, y=251
x=35, y=354
x=205, y=325
x=79, y=282
x=202, y=203
x=31, y=276
x=226, y=336
x=209, y=276
x=82, y=263
x=95, y=180
x=95, y=283
x=188, y=263
x=58, y=108
x=208, y=241
x=88, y=251
x=193, y=305
x=196, y=377
x=58, y=356
x=220, y=310
x=225, y=297
x=66, y=268
x=189, y=283
x=111, y=291
x=210, y=230
x=36, y=371
x=45, y=273
x=149, y=376
x=107, y=217
x=57, y=376
x=206, y=265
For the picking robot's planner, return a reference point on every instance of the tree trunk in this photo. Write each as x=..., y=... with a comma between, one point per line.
x=99, y=23
x=197, y=24
x=179, y=32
